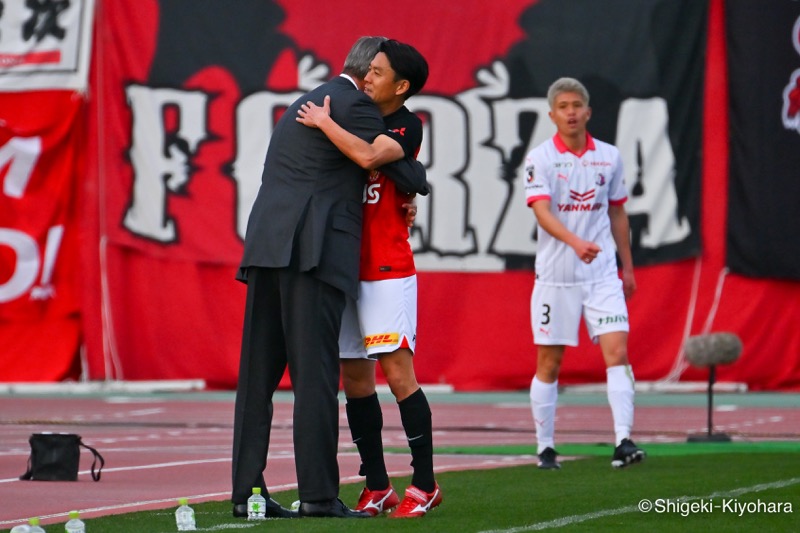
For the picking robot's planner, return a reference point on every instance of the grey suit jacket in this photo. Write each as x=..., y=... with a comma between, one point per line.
x=307, y=215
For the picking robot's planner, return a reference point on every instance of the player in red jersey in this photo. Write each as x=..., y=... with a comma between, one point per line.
x=382, y=324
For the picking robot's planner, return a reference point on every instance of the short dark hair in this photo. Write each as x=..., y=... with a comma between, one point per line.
x=407, y=63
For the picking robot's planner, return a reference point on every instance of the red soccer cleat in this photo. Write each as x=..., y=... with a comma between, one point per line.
x=417, y=502
x=376, y=502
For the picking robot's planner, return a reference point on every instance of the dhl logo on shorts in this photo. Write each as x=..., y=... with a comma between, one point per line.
x=381, y=339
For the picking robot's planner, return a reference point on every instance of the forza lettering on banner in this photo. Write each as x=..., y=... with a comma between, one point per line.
x=459, y=231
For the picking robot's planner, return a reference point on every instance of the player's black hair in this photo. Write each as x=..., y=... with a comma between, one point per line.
x=407, y=63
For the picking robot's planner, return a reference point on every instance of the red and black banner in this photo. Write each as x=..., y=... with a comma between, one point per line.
x=764, y=70
x=190, y=93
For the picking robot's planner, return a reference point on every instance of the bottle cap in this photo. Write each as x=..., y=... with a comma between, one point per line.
x=183, y=501
x=256, y=490
x=34, y=521
x=74, y=514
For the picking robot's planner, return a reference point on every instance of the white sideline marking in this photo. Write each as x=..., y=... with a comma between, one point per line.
x=576, y=519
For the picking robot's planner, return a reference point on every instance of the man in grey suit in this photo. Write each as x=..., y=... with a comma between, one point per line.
x=301, y=257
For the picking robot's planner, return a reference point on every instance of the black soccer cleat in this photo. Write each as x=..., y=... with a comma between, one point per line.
x=547, y=459
x=627, y=453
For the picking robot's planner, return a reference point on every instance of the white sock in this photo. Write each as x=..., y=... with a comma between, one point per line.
x=620, y=398
x=543, y=405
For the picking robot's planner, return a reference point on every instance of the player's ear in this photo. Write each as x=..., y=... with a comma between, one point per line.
x=588, y=113
x=403, y=87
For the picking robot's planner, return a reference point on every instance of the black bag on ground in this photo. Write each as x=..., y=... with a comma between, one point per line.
x=56, y=457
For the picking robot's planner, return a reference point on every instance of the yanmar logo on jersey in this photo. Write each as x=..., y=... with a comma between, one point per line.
x=381, y=339
x=582, y=199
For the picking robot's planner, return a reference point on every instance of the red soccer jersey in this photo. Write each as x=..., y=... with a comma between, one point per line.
x=385, y=250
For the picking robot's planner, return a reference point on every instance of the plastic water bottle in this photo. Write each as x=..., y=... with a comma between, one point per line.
x=184, y=516
x=75, y=524
x=256, y=505
x=22, y=528
x=35, y=527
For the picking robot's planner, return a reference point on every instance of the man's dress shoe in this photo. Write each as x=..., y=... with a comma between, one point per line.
x=332, y=508
x=274, y=510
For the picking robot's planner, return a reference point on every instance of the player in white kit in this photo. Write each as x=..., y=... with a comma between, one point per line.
x=574, y=184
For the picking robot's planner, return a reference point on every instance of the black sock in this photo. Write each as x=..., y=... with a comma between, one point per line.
x=415, y=414
x=366, y=422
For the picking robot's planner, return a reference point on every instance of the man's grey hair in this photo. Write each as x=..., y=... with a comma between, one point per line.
x=566, y=85
x=357, y=62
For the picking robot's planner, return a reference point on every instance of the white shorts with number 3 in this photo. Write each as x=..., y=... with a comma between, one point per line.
x=556, y=311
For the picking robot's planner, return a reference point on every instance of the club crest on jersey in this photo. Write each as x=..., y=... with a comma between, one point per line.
x=529, y=173
x=600, y=181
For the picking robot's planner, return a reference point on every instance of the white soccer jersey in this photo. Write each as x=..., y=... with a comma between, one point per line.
x=580, y=188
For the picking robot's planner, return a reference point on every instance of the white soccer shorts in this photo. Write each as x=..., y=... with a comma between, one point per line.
x=556, y=311
x=383, y=319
